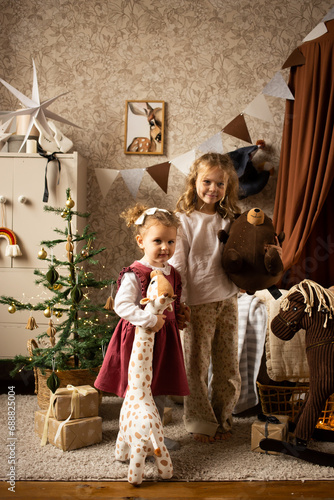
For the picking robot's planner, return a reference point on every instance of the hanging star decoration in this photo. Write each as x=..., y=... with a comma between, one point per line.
x=34, y=107
x=4, y=134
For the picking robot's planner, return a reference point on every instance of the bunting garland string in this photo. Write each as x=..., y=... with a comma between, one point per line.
x=237, y=127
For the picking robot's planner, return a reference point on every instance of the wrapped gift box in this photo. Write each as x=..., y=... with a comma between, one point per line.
x=168, y=416
x=85, y=399
x=262, y=430
x=74, y=434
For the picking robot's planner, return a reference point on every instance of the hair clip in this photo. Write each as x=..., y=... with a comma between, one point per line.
x=149, y=211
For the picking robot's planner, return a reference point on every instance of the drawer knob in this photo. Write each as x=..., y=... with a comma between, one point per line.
x=22, y=199
x=3, y=199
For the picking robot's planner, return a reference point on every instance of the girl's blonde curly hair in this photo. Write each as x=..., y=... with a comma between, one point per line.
x=227, y=207
x=165, y=217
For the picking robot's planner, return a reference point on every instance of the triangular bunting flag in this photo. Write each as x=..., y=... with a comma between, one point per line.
x=277, y=87
x=296, y=58
x=160, y=174
x=329, y=16
x=212, y=145
x=238, y=128
x=316, y=32
x=105, y=178
x=132, y=178
x=184, y=162
x=260, y=109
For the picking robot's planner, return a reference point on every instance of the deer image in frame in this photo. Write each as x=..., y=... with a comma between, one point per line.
x=154, y=118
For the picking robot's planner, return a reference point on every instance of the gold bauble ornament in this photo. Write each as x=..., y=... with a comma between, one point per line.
x=70, y=203
x=12, y=309
x=47, y=312
x=42, y=254
x=58, y=314
x=85, y=252
x=64, y=214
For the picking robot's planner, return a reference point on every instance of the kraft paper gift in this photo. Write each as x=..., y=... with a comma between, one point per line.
x=78, y=401
x=72, y=434
x=262, y=430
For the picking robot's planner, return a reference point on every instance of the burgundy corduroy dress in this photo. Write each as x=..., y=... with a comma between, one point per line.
x=169, y=376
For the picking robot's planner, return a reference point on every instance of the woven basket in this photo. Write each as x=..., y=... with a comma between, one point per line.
x=281, y=400
x=73, y=376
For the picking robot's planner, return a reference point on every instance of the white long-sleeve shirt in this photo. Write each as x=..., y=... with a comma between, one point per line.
x=127, y=300
x=197, y=257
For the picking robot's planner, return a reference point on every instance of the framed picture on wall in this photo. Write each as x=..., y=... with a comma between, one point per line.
x=144, y=127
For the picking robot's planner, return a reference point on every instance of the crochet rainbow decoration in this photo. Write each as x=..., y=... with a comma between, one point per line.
x=13, y=249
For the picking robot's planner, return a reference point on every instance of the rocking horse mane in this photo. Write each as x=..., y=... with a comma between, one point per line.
x=311, y=290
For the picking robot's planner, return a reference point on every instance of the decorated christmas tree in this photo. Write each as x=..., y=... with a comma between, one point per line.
x=79, y=339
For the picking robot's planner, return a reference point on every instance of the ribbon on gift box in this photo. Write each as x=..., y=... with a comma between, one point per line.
x=268, y=419
x=46, y=421
x=75, y=410
x=75, y=406
x=75, y=400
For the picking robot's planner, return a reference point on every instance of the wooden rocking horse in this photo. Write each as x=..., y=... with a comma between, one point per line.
x=311, y=307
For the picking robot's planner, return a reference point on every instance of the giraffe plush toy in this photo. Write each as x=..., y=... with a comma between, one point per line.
x=140, y=427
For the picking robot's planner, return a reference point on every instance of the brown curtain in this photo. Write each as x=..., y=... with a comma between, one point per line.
x=304, y=203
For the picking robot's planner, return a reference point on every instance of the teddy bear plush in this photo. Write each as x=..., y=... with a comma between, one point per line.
x=252, y=254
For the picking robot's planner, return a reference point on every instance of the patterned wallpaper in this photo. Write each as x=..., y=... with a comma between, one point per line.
x=207, y=59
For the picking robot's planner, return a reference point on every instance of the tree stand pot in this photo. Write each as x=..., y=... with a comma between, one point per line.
x=72, y=376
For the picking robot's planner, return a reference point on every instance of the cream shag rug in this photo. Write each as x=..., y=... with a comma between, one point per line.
x=230, y=460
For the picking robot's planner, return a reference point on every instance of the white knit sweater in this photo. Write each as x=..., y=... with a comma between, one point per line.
x=197, y=257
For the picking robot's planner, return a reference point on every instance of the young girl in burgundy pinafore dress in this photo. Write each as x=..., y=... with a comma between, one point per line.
x=156, y=236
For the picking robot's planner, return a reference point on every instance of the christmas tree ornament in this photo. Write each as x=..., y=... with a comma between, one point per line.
x=53, y=382
x=85, y=251
x=76, y=294
x=12, y=309
x=69, y=248
x=64, y=214
x=70, y=203
x=47, y=312
x=31, y=325
x=51, y=331
x=42, y=254
x=103, y=348
x=57, y=286
x=58, y=314
x=52, y=275
x=109, y=304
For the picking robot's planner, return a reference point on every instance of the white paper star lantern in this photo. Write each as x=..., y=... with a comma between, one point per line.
x=34, y=107
x=4, y=134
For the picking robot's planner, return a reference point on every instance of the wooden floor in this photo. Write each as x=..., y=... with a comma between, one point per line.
x=252, y=490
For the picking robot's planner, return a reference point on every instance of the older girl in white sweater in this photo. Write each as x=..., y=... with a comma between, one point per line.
x=207, y=206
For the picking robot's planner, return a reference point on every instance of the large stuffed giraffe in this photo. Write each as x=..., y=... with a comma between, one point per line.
x=140, y=427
